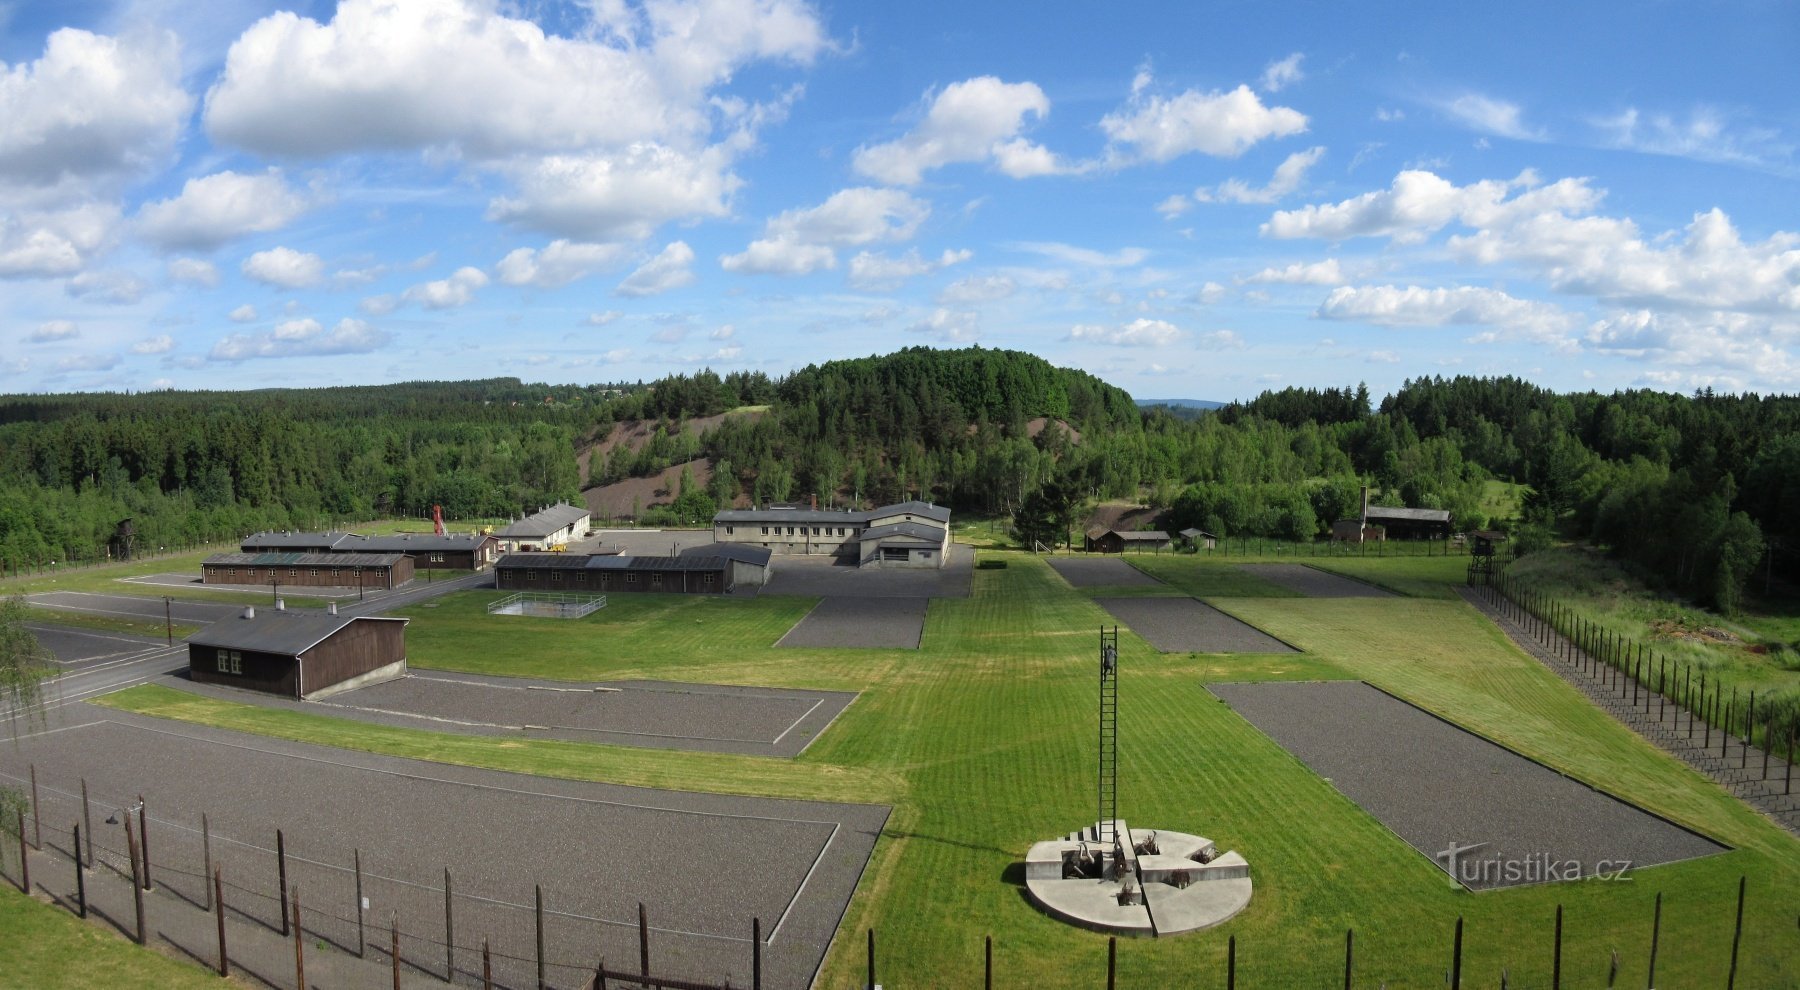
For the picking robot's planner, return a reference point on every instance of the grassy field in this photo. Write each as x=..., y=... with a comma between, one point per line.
x=44, y=946
x=982, y=742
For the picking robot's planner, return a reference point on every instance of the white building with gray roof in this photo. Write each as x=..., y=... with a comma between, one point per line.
x=906, y=534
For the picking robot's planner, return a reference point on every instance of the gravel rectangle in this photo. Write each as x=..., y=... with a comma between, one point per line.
x=1314, y=583
x=703, y=865
x=1440, y=787
x=1185, y=625
x=79, y=648
x=136, y=607
x=1100, y=572
x=869, y=623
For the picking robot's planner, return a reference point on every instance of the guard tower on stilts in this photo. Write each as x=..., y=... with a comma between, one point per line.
x=1111, y=877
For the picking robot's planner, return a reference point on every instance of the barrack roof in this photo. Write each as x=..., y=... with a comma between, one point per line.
x=290, y=633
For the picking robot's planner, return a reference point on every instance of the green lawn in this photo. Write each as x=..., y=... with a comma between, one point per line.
x=982, y=741
x=45, y=946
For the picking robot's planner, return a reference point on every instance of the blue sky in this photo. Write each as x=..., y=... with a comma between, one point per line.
x=1189, y=200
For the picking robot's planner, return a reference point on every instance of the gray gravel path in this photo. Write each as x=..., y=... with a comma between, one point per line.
x=703, y=865
x=871, y=623
x=1100, y=572
x=1184, y=625
x=715, y=718
x=1314, y=583
x=79, y=649
x=1438, y=787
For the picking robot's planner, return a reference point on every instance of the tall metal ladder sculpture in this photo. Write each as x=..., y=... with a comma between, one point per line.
x=1108, y=786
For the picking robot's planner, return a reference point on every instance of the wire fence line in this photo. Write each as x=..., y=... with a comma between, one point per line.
x=443, y=930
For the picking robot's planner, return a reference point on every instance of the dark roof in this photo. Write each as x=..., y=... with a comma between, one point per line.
x=1191, y=533
x=903, y=530
x=917, y=508
x=1414, y=515
x=557, y=517
x=411, y=543
x=290, y=541
x=548, y=561
x=1490, y=535
x=610, y=562
x=739, y=552
x=305, y=559
x=290, y=633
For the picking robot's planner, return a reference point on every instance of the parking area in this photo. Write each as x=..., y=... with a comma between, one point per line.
x=1185, y=625
x=1482, y=813
x=1100, y=572
x=702, y=865
x=865, y=623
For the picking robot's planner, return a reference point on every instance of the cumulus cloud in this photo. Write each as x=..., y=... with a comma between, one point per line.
x=1464, y=305
x=301, y=338
x=951, y=326
x=448, y=293
x=1281, y=74
x=976, y=120
x=1324, y=272
x=1491, y=116
x=798, y=242
x=193, y=271
x=869, y=270
x=285, y=268
x=602, y=318
x=1419, y=203
x=977, y=289
x=218, y=208
x=668, y=270
x=88, y=362
x=119, y=288
x=162, y=344
x=1746, y=347
x=556, y=264
x=53, y=330
x=1174, y=206
x=90, y=107
x=606, y=130
x=243, y=314
x=1220, y=124
x=1287, y=178
x=53, y=242
x=380, y=305
x=1138, y=333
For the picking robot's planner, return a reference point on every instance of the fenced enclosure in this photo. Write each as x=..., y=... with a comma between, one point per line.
x=547, y=605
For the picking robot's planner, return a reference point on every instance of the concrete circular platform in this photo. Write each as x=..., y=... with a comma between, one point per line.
x=1112, y=878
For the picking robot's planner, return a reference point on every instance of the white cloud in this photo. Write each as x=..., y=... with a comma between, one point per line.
x=1381, y=357
x=1138, y=333
x=1129, y=257
x=1464, y=305
x=54, y=330
x=1174, y=206
x=1279, y=75
x=1324, y=272
x=1210, y=294
x=193, y=271
x=977, y=289
x=90, y=107
x=53, y=242
x=448, y=293
x=725, y=332
x=119, y=288
x=1706, y=135
x=88, y=362
x=243, y=314
x=1287, y=178
x=217, y=208
x=869, y=270
x=301, y=338
x=1219, y=340
x=1420, y=203
x=668, y=270
x=1491, y=116
x=1704, y=344
x=154, y=345
x=380, y=305
x=976, y=120
x=603, y=318
x=798, y=242
x=951, y=326
x=285, y=268
x=557, y=263
x=1220, y=124
x=608, y=129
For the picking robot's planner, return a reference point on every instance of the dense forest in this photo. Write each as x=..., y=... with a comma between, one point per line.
x=1698, y=490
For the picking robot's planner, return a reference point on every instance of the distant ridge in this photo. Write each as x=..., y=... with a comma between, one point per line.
x=1181, y=403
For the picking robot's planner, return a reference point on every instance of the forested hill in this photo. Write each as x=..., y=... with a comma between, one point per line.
x=1696, y=488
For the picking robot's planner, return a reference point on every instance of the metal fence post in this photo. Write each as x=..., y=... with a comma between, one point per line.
x=361, y=945
x=1737, y=936
x=87, y=821
x=144, y=837
x=299, y=944
x=449, y=932
x=281, y=874
x=80, y=877
x=1655, y=937
x=137, y=889
x=539, y=888
x=1456, y=957
x=37, y=820
x=1556, y=958
x=218, y=899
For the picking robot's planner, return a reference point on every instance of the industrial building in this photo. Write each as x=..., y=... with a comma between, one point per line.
x=906, y=534
x=609, y=573
x=306, y=654
x=385, y=571
x=552, y=526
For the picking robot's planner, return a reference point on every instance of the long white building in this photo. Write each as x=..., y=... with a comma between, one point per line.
x=908, y=534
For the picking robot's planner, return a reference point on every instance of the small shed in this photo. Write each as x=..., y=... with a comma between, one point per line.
x=749, y=565
x=1126, y=541
x=1199, y=539
x=1411, y=524
x=551, y=526
x=902, y=544
x=306, y=654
